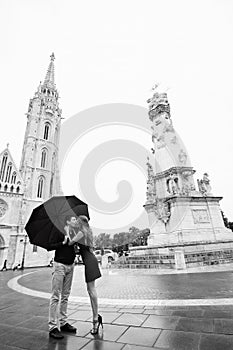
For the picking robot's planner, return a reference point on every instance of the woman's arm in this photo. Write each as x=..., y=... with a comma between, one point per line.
x=76, y=238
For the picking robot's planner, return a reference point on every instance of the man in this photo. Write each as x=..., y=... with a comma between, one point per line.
x=63, y=268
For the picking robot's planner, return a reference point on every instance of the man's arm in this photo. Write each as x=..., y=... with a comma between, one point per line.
x=54, y=246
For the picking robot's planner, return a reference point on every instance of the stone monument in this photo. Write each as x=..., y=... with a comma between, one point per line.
x=184, y=219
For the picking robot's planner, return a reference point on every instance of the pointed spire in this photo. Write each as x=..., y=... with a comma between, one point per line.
x=49, y=79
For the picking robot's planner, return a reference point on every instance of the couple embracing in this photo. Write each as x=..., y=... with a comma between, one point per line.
x=76, y=232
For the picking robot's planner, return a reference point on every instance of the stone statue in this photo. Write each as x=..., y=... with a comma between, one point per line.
x=172, y=184
x=204, y=185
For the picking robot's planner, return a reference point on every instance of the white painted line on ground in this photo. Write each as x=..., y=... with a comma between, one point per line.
x=13, y=284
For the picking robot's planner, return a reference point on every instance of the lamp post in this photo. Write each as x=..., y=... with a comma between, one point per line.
x=24, y=252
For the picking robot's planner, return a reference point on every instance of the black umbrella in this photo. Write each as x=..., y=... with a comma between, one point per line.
x=47, y=221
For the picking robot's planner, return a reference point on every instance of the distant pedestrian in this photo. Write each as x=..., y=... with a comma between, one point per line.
x=4, y=266
x=16, y=267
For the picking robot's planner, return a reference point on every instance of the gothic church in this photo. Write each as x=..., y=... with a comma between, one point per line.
x=36, y=180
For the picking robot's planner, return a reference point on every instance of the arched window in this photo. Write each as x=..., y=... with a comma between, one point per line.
x=43, y=158
x=5, y=188
x=40, y=187
x=13, y=177
x=17, y=189
x=3, y=166
x=46, y=131
x=8, y=172
x=12, y=188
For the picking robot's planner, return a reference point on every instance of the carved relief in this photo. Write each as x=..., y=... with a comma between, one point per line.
x=182, y=157
x=173, y=139
x=3, y=208
x=187, y=185
x=150, y=194
x=200, y=216
x=162, y=210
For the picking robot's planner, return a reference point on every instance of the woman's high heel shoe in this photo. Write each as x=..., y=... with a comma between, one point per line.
x=96, y=324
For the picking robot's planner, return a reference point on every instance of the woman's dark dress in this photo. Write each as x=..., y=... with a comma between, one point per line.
x=92, y=271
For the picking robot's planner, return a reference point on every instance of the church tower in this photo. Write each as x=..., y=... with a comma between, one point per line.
x=39, y=161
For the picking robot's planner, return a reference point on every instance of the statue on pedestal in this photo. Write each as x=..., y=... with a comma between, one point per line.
x=173, y=184
x=204, y=185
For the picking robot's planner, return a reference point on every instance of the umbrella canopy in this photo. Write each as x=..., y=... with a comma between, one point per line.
x=47, y=221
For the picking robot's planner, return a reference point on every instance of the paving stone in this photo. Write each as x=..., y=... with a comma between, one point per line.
x=102, y=345
x=224, y=326
x=8, y=347
x=34, y=341
x=164, y=322
x=83, y=328
x=14, y=335
x=211, y=313
x=178, y=340
x=82, y=315
x=15, y=318
x=142, y=336
x=158, y=312
x=67, y=343
x=130, y=319
x=188, y=313
x=4, y=328
x=108, y=309
x=132, y=310
x=197, y=325
x=138, y=347
x=108, y=317
x=216, y=342
x=36, y=322
x=109, y=332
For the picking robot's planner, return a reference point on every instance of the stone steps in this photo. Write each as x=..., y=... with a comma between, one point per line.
x=144, y=262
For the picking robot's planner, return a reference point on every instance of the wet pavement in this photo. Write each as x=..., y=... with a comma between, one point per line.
x=141, y=324
x=137, y=284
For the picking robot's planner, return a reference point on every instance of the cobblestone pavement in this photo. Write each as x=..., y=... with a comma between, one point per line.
x=23, y=318
x=136, y=284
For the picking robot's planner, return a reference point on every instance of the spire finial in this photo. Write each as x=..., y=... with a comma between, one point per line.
x=49, y=79
x=7, y=145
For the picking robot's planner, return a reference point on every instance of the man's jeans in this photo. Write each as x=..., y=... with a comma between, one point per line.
x=61, y=286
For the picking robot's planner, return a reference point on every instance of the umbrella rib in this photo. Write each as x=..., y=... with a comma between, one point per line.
x=72, y=209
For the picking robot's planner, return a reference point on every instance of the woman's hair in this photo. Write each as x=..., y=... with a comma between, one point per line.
x=83, y=225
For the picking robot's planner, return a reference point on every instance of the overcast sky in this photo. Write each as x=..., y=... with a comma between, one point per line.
x=114, y=52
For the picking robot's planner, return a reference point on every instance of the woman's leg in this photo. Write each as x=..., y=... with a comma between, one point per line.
x=93, y=298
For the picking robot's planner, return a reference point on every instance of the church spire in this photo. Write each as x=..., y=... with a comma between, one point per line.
x=49, y=78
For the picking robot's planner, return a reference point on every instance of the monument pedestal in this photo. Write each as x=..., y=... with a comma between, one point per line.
x=193, y=219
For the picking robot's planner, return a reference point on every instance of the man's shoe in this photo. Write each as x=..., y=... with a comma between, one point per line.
x=68, y=328
x=56, y=334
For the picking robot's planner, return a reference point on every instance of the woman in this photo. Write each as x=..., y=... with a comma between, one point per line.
x=84, y=238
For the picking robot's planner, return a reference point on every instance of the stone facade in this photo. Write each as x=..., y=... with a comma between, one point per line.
x=36, y=180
